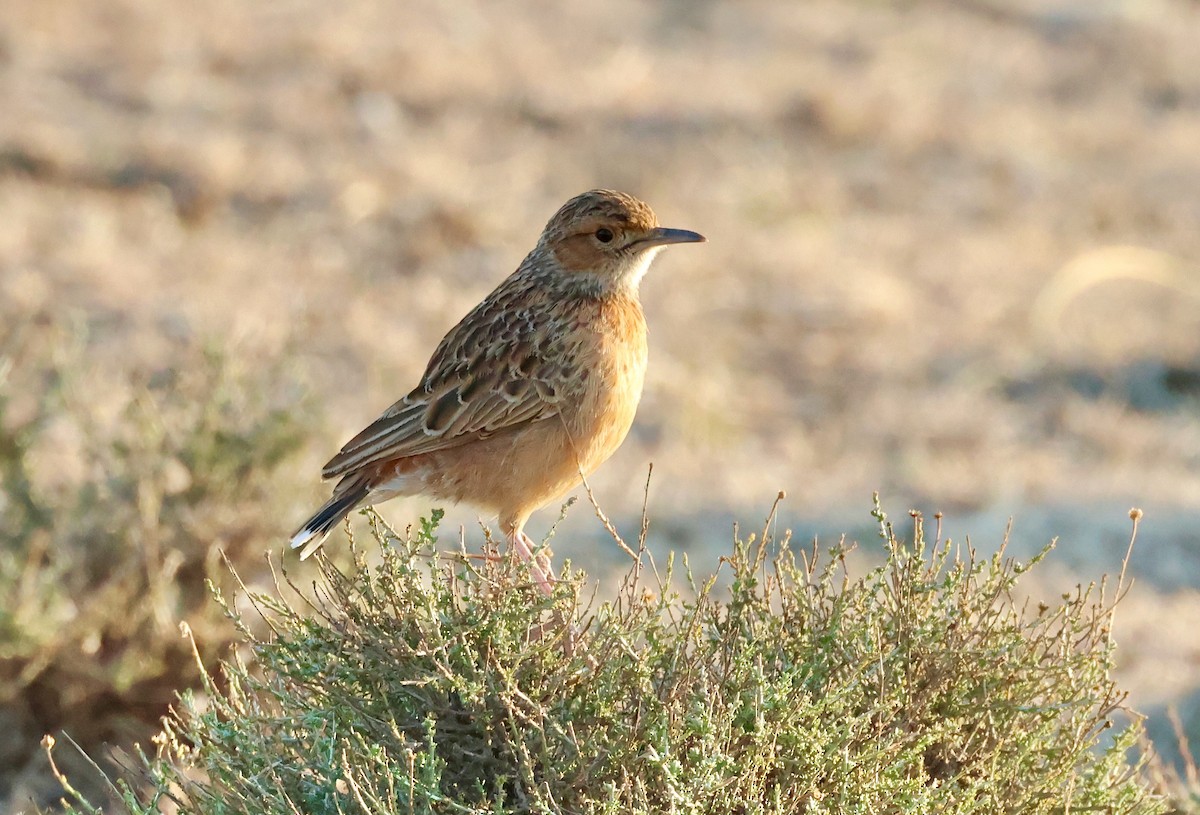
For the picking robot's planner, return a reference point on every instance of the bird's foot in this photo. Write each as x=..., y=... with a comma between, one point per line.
x=539, y=564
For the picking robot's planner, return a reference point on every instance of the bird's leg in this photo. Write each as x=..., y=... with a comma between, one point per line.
x=539, y=566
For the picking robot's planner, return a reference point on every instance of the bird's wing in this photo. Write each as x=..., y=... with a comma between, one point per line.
x=501, y=367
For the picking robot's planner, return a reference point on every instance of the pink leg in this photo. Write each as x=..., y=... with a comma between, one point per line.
x=540, y=567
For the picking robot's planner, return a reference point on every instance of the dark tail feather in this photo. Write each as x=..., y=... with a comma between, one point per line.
x=312, y=533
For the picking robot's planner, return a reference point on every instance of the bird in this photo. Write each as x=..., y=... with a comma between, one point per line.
x=530, y=392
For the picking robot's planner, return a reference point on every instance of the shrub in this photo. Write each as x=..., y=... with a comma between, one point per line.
x=430, y=683
x=117, y=489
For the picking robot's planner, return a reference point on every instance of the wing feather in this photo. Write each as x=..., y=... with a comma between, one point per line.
x=501, y=367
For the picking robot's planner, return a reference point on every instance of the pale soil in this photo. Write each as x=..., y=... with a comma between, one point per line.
x=914, y=280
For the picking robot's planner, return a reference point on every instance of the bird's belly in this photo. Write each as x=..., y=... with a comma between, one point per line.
x=518, y=470
x=601, y=422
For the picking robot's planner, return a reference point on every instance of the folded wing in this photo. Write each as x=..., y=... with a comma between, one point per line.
x=484, y=377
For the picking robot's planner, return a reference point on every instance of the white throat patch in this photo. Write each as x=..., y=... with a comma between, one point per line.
x=637, y=270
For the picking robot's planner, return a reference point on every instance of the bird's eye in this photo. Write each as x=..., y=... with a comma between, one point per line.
x=604, y=235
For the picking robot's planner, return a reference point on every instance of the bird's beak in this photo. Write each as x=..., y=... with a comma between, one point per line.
x=663, y=236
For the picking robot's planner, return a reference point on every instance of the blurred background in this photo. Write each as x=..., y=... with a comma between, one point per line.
x=954, y=256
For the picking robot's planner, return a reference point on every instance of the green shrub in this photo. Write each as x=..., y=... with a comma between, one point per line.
x=118, y=488
x=432, y=683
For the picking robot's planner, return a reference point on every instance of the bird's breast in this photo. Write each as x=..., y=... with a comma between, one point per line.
x=611, y=369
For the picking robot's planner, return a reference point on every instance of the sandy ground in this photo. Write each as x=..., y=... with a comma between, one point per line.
x=953, y=254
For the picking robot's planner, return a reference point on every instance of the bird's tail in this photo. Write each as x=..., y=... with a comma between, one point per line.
x=312, y=533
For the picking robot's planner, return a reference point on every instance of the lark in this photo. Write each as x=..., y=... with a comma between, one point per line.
x=530, y=392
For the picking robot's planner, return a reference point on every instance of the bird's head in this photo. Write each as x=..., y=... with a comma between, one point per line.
x=609, y=238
